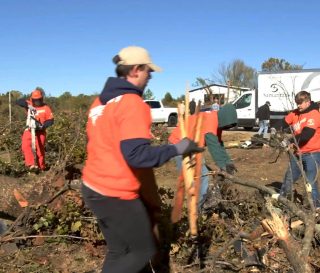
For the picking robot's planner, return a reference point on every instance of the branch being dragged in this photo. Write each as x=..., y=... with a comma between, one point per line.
x=271, y=192
x=306, y=217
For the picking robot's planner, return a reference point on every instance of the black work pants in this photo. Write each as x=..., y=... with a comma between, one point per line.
x=127, y=230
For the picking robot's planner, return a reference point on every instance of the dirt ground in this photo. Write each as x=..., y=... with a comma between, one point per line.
x=252, y=164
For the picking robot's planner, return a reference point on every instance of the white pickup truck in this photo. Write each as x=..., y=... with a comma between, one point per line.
x=161, y=114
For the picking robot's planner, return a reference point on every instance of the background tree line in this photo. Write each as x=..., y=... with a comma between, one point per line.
x=71, y=111
x=66, y=103
x=236, y=73
x=63, y=103
x=239, y=74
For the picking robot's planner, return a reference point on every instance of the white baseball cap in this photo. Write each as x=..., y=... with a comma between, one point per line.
x=135, y=55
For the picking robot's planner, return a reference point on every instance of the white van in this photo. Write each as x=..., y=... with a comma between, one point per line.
x=279, y=89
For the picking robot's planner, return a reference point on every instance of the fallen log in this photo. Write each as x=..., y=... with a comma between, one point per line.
x=285, y=240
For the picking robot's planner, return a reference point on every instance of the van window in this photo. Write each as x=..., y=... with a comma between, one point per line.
x=244, y=101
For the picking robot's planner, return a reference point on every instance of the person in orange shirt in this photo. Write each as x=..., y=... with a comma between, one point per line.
x=305, y=125
x=119, y=163
x=43, y=117
x=213, y=124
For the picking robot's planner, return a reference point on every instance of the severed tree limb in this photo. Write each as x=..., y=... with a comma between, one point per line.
x=193, y=133
x=196, y=173
x=188, y=173
x=43, y=236
x=309, y=221
x=176, y=212
x=307, y=218
x=192, y=184
x=279, y=229
x=16, y=222
x=291, y=205
x=69, y=185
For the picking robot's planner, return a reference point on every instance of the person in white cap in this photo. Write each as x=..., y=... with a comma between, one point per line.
x=118, y=181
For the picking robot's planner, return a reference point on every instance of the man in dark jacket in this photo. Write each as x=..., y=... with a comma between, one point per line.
x=263, y=118
x=192, y=106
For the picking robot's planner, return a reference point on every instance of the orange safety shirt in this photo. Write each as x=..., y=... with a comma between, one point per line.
x=310, y=119
x=209, y=125
x=43, y=113
x=121, y=118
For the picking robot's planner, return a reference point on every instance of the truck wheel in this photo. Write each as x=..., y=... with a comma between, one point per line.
x=172, y=121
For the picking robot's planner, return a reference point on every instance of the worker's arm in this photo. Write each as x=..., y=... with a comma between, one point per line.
x=303, y=138
x=47, y=123
x=139, y=153
x=22, y=102
x=135, y=144
x=217, y=151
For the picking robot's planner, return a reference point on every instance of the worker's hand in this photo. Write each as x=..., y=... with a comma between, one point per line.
x=32, y=109
x=231, y=168
x=285, y=144
x=187, y=146
x=273, y=131
x=257, y=121
x=39, y=127
x=267, y=122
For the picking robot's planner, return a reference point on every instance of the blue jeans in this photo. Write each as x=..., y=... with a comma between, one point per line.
x=263, y=124
x=311, y=163
x=204, y=179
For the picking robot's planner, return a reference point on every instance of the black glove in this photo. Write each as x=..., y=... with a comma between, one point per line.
x=187, y=147
x=231, y=168
x=39, y=126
